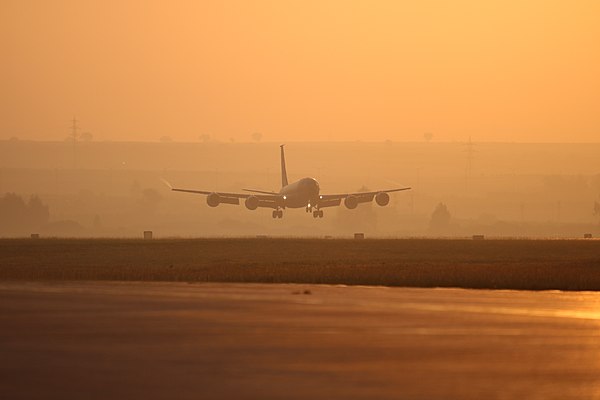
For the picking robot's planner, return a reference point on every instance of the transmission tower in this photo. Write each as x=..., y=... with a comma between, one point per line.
x=470, y=150
x=74, y=136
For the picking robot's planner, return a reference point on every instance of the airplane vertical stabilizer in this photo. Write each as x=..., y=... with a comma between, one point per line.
x=284, y=180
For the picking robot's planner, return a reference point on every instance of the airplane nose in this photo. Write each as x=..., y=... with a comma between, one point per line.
x=312, y=186
x=315, y=187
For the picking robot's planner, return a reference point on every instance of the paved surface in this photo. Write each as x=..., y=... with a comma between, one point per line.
x=214, y=341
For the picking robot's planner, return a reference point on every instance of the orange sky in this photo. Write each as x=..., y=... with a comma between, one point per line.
x=498, y=70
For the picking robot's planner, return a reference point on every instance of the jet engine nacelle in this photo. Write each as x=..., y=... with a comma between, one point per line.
x=351, y=202
x=252, y=203
x=382, y=199
x=213, y=200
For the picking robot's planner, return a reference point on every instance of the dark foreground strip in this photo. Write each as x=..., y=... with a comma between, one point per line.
x=496, y=264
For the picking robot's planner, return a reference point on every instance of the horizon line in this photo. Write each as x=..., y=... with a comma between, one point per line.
x=278, y=142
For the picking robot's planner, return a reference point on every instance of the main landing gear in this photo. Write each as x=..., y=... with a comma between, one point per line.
x=277, y=213
x=315, y=211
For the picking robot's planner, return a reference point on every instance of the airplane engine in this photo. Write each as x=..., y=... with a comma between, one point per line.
x=213, y=200
x=382, y=199
x=252, y=203
x=351, y=202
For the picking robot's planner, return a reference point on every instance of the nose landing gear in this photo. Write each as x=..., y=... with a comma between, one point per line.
x=277, y=213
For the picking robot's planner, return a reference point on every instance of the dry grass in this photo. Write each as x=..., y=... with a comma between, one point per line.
x=506, y=264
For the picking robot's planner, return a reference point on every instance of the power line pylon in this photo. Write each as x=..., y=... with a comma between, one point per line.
x=469, y=168
x=74, y=136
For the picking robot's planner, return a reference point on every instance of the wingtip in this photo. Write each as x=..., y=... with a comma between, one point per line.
x=166, y=182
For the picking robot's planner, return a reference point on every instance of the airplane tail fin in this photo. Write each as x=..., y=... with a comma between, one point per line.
x=284, y=180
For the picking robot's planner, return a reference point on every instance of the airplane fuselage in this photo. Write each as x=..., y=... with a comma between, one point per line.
x=301, y=194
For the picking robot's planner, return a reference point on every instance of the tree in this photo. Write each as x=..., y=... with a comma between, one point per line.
x=12, y=212
x=257, y=136
x=97, y=222
x=440, y=218
x=86, y=137
x=38, y=212
x=19, y=217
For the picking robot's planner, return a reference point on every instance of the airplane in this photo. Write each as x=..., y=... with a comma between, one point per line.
x=304, y=193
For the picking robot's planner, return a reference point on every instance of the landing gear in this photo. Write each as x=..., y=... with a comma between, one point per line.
x=318, y=214
x=278, y=214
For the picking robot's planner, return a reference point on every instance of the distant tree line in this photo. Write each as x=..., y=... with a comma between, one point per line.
x=18, y=216
x=440, y=218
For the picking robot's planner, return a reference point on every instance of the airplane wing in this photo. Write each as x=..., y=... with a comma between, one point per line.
x=260, y=191
x=261, y=199
x=224, y=194
x=353, y=199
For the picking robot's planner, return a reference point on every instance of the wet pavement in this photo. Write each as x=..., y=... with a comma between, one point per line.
x=99, y=340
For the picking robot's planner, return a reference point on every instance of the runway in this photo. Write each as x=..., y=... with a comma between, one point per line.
x=99, y=340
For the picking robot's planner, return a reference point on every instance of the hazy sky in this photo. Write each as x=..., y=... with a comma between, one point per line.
x=498, y=70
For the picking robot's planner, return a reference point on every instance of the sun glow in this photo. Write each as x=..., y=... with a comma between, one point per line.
x=333, y=70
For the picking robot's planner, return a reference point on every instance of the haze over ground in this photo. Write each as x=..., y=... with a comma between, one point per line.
x=114, y=189
x=295, y=71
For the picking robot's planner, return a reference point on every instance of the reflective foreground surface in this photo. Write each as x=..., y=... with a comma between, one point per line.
x=191, y=341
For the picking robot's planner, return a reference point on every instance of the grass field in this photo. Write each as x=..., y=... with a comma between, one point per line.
x=498, y=264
